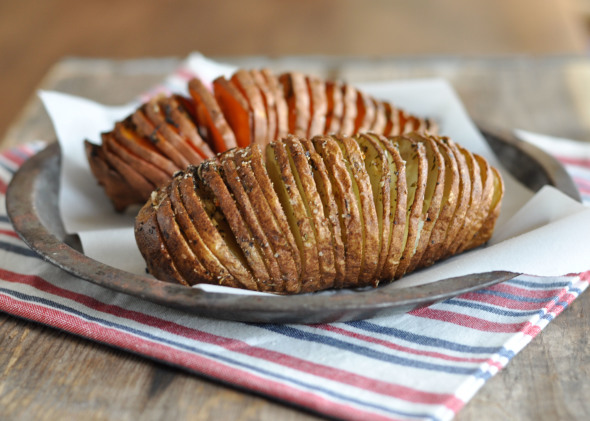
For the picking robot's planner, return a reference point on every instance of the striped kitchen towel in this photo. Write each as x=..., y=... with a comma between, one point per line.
x=425, y=364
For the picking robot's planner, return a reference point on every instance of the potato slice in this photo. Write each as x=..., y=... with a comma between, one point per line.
x=209, y=174
x=210, y=120
x=235, y=108
x=155, y=114
x=212, y=227
x=268, y=98
x=280, y=102
x=314, y=209
x=326, y=194
x=176, y=113
x=146, y=129
x=126, y=135
x=485, y=205
x=485, y=232
x=143, y=186
x=154, y=251
x=243, y=80
x=298, y=102
x=398, y=190
x=392, y=127
x=121, y=193
x=349, y=110
x=433, y=195
x=406, y=123
x=285, y=185
x=448, y=204
x=380, y=121
x=213, y=268
x=183, y=257
x=278, y=241
x=153, y=174
x=255, y=222
x=318, y=106
x=365, y=112
x=259, y=169
x=463, y=200
x=470, y=225
x=348, y=209
x=377, y=166
x=335, y=107
x=414, y=155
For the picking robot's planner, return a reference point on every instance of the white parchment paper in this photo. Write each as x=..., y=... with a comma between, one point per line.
x=547, y=234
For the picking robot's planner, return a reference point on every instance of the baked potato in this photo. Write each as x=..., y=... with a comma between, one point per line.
x=305, y=214
x=168, y=133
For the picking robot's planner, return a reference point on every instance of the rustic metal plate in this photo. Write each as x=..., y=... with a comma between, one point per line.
x=32, y=205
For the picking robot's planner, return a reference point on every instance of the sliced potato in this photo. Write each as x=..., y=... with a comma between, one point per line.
x=268, y=97
x=377, y=166
x=470, y=226
x=285, y=185
x=414, y=155
x=253, y=220
x=485, y=203
x=314, y=209
x=154, y=251
x=209, y=174
x=335, y=107
x=235, y=108
x=448, y=204
x=392, y=127
x=368, y=215
x=280, y=103
x=207, y=261
x=143, y=186
x=318, y=106
x=348, y=209
x=380, y=121
x=121, y=193
x=433, y=195
x=176, y=113
x=326, y=194
x=126, y=135
x=146, y=129
x=210, y=119
x=153, y=174
x=398, y=190
x=463, y=200
x=260, y=172
x=210, y=224
x=185, y=261
x=485, y=232
x=365, y=112
x=276, y=238
x=155, y=114
x=244, y=81
x=298, y=102
x=349, y=110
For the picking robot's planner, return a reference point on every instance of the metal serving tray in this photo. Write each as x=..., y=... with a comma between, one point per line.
x=32, y=205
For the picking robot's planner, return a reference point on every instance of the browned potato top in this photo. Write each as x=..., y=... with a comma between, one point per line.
x=307, y=215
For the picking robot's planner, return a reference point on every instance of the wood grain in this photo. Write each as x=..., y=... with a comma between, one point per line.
x=49, y=375
x=34, y=35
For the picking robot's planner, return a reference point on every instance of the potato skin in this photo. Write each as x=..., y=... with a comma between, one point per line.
x=307, y=219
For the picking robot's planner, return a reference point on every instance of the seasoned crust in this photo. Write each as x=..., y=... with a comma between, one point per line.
x=327, y=212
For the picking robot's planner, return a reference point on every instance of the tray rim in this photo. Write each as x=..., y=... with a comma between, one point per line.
x=308, y=308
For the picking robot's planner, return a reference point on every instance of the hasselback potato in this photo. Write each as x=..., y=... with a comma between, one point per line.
x=305, y=214
x=168, y=133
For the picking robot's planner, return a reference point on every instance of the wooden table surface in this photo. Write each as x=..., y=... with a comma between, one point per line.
x=49, y=375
